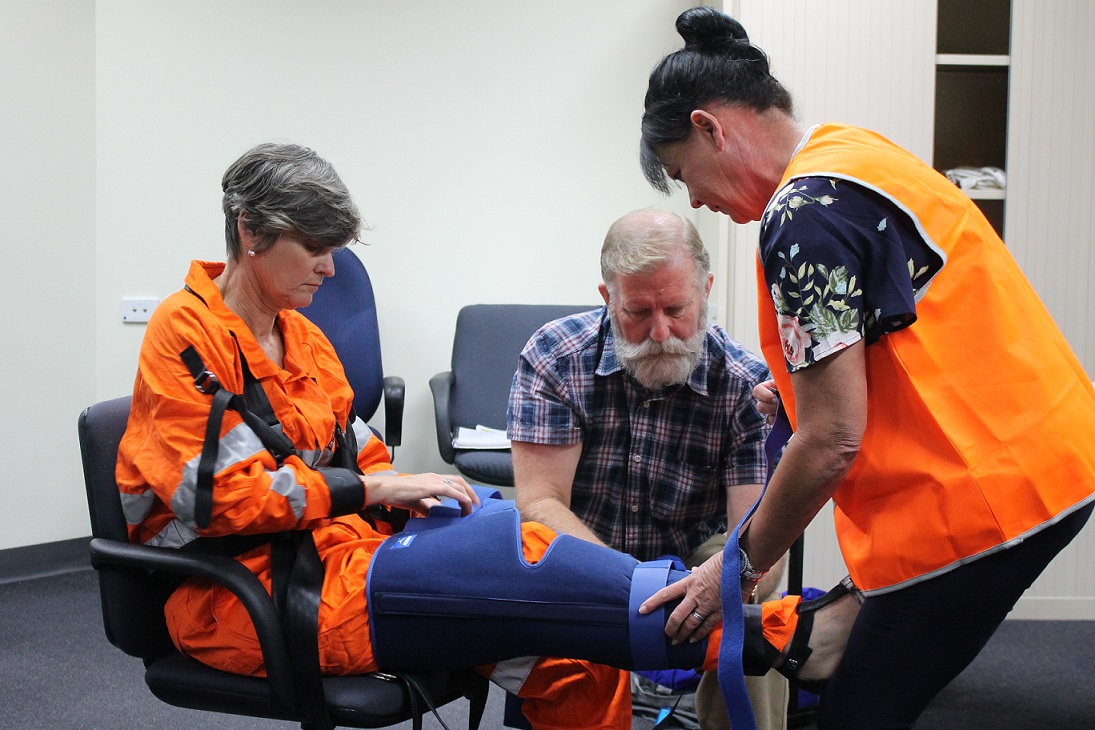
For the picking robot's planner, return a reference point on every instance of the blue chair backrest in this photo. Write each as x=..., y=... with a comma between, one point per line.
x=345, y=309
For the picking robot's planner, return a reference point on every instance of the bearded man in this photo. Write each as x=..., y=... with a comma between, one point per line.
x=635, y=426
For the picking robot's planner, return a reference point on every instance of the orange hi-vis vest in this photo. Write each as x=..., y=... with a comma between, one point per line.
x=981, y=421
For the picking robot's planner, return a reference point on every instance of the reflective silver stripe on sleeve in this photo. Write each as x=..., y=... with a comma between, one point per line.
x=136, y=507
x=284, y=482
x=362, y=433
x=238, y=445
x=310, y=457
x=174, y=535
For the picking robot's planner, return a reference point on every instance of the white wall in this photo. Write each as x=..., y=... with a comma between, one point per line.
x=47, y=241
x=489, y=144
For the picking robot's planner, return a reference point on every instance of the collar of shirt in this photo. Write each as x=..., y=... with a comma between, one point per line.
x=610, y=364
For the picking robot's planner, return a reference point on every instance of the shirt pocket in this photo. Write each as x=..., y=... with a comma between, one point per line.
x=685, y=492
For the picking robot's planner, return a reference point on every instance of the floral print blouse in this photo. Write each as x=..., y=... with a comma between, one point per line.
x=843, y=263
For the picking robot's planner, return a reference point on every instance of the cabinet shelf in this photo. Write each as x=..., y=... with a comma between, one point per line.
x=971, y=59
x=987, y=194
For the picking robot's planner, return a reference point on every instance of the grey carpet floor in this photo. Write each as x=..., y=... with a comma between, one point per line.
x=58, y=671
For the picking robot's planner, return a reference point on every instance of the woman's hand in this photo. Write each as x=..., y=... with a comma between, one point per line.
x=418, y=492
x=700, y=610
x=767, y=398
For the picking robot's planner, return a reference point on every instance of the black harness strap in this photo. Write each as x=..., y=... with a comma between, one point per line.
x=303, y=594
x=295, y=566
x=255, y=409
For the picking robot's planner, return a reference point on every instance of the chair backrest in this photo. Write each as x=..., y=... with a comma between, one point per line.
x=488, y=340
x=101, y=428
x=132, y=600
x=345, y=309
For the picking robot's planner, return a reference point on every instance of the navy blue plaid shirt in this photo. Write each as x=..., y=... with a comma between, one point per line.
x=656, y=465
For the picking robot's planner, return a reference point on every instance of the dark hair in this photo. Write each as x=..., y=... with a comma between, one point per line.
x=279, y=188
x=717, y=64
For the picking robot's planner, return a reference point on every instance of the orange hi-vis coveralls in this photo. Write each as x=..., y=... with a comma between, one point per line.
x=156, y=474
x=980, y=429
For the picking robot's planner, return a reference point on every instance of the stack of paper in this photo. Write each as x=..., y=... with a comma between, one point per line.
x=480, y=437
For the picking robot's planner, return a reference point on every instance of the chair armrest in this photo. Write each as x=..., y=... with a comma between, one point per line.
x=394, y=394
x=226, y=572
x=441, y=387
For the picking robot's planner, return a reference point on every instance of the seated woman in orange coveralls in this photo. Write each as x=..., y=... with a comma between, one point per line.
x=286, y=210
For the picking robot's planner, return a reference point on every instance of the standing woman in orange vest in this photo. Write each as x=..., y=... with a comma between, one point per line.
x=931, y=395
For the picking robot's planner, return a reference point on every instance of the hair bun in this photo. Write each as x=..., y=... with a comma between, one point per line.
x=706, y=30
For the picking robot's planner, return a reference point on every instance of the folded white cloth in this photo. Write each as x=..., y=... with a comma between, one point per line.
x=977, y=178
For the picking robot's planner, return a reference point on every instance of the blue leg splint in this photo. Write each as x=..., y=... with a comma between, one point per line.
x=458, y=593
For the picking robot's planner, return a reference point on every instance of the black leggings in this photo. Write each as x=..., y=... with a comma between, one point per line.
x=908, y=645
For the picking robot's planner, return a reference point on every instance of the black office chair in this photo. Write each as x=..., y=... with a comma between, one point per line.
x=345, y=309
x=135, y=581
x=486, y=344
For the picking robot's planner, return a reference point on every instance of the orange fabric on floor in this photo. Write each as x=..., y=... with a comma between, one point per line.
x=566, y=694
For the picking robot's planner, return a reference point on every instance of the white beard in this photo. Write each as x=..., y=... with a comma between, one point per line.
x=658, y=365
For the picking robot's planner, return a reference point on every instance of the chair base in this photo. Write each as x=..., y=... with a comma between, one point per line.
x=360, y=701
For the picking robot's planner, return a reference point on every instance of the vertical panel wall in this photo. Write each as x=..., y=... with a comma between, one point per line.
x=1051, y=161
x=1050, y=220
x=864, y=62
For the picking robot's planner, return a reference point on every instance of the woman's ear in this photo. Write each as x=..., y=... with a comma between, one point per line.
x=708, y=126
x=247, y=238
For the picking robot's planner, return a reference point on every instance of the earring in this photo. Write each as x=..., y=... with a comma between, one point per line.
x=250, y=253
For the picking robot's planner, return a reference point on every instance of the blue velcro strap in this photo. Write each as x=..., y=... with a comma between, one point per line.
x=647, y=631
x=731, y=676
x=449, y=509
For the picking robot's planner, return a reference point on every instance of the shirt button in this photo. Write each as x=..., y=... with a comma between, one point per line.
x=636, y=458
x=646, y=404
x=634, y=508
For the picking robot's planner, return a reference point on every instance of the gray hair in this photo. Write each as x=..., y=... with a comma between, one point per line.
x=285, y=188
x=644, y=240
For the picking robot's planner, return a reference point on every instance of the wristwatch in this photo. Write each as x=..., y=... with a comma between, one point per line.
x=747, y=571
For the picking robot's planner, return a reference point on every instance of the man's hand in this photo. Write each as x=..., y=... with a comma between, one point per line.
x=767, y=398
x=700, y=610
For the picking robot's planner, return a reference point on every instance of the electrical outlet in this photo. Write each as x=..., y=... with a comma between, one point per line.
x=137, y=309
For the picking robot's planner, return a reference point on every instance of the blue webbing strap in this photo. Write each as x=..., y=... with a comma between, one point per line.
x=731, y=676
x=647, y=632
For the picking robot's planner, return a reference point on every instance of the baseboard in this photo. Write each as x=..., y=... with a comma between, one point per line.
x=1054, y=609
x=39, y=561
